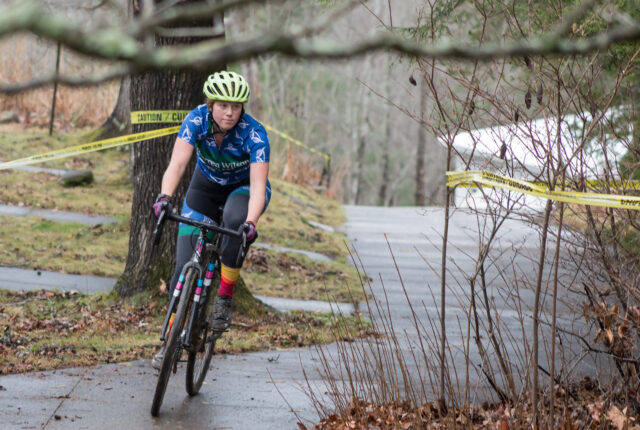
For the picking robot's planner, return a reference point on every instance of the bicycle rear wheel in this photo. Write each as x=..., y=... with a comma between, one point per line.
x=174, y=348
x=199, y=358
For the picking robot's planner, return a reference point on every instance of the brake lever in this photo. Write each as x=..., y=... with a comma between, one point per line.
x=157, y=231
x=244, y=240
x=242, y=252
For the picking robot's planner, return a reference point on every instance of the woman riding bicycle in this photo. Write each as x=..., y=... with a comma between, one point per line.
x=232, y=167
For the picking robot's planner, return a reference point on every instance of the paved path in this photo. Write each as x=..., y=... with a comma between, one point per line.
x=13, y=278
x=58, y=216
x=240, y=391
x=399, y=248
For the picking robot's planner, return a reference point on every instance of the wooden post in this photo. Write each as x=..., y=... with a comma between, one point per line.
x=55, y=90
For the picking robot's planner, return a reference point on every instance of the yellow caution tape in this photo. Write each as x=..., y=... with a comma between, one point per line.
x=168, y=116
x=594, y=184
x=327, y=157
x=494, y=180
x=90, y=147
x=597, y=184
x=158, y=116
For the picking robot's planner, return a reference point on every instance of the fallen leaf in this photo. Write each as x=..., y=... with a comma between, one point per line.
x=595, y=410
x=617, y=417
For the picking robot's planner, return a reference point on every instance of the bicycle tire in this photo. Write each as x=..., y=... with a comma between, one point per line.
x=172, y=350
x=198, y=361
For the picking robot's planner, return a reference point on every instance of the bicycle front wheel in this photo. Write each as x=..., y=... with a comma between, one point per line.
x=200, y=356
x=173, y=349
x=198, y=363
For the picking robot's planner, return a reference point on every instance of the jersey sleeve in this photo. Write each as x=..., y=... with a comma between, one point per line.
x=259, y=148
x=192, y=126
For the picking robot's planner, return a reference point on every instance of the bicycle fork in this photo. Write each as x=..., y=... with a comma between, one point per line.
x=199, y=298
x=175, y=298
x=203, y=289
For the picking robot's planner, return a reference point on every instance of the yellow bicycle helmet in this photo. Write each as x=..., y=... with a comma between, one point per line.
x=226, y=86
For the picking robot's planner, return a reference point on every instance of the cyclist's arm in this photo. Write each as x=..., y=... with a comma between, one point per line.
x=180, y=158
x=257, y=189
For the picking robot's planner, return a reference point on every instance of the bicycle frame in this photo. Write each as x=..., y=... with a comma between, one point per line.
x=191, y=307
x=204, y=245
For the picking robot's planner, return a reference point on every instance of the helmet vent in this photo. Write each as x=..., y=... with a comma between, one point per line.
x=227, y=86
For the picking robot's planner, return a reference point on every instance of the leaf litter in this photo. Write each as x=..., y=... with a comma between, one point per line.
x=44, y=330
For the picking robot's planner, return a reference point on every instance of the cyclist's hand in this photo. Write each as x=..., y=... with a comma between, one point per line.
x=163, y=202
x=252, y=233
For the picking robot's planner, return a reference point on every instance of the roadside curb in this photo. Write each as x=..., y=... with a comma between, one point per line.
x=58, y=216
x=16, y=279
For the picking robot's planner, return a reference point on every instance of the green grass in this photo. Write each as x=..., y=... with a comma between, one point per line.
x=277, y=274
x=286, y=221
x=106, y=196
x=63, y=247
x=74, y=248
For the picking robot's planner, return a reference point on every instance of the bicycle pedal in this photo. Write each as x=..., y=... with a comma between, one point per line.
x=215, y=335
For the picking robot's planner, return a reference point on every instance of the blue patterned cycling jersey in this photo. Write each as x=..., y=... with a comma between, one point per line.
x=245, y=143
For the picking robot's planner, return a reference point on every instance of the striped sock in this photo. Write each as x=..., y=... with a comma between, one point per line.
x=228, y=278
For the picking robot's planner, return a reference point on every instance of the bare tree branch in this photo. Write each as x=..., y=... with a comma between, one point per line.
x=169, y=14
x=71, y=81
x=121, y=44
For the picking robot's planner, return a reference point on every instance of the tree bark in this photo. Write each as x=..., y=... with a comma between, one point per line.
x=146, y=266
x=357, y=171
x=383, y=193
x=119, y=122
x=422, y=145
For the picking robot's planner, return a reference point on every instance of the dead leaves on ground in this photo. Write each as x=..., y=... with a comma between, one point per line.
x=45, y=330
x=616, y=331
x=363, y=415
x=582, y=406
x=42, y=330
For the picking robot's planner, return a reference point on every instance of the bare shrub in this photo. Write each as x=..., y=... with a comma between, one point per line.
x=571, y=290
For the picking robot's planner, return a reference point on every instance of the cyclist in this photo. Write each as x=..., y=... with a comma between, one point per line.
x=232, y=167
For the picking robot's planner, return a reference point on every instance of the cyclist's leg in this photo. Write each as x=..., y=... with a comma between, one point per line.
x=235, y=213
x=200, y=204
x=188, y=235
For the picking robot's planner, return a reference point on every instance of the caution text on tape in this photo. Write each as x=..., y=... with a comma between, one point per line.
x=158, y=116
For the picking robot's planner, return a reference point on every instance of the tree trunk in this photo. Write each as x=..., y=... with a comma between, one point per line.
x=170, y=90
x=384, y=185
x=383, y=192
x=435, y=177
x=250, y=67
x=357, y=171
x=250, y=71
x=422, y=145
x=119, y=122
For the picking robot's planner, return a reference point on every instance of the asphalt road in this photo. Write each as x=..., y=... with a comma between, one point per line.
x=399, y=248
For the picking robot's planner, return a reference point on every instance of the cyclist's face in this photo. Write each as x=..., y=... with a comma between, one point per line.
x=226, y=114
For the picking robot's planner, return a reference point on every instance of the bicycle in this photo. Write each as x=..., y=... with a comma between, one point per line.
x=192, y=304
